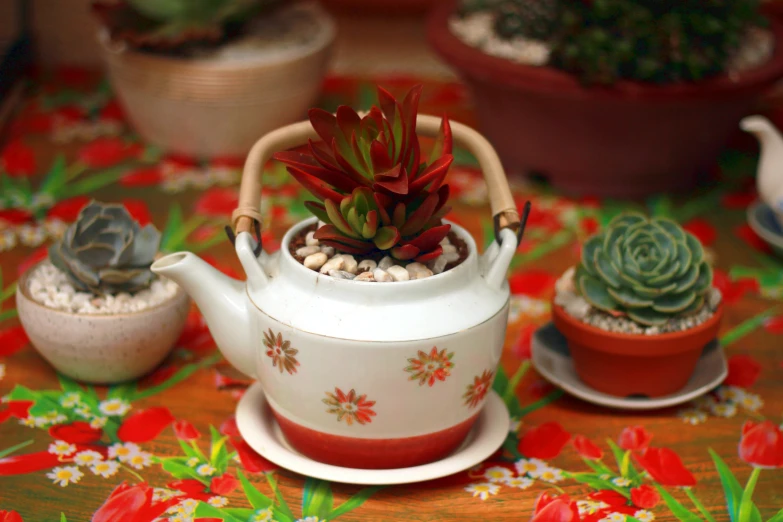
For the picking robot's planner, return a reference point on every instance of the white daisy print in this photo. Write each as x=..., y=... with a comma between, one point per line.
x=98, y=422
x=692, y=416
x=192, y=462
x=723, y=409
x=7, y=240
x=525, y=466
x=483, y=490
x=83, y=411
x=310, y=519
x=590, y=507
x=514, y=425
x=205, y=470
x=140, y=460
x=88, y=457
x=498, y=474
x=518, y=482
x=188, y=505
x=62, y=476
x=621, y=481
x=30, y=421
x=123, y=452
x=181, y=517
x=62, y=448
x=71, y=400
x=613, y=517
x=218, y=502
x=116, y=407
x=31, y=236
x=752, y=402
x=644, y=516
x=105, y=468
x=730, y=393
x=263, y=515
x=163, y=494
x=552, y=475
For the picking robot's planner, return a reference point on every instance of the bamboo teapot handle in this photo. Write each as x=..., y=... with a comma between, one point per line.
x=505, y=214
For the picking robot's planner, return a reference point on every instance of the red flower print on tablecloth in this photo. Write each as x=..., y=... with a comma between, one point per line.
x=702, y=229
x=132, y=504
x=142, y=177
x=248, y=458
x=217, y=202
x=432, y=367
x=138, y=210
x=68, y=210
x=665, y=467
x=544, y=442
x=15, y=216
x=744, y=371
x=533, y=283
x=761, y=444
x=645, y=497
x=184, y=430
x=587, y=448
x=17, y=159
x=478, y=389
x=733, y=290
x=12, y=340
x=38, y=255
x=108, y=152
x=195, y=335
x=350, y=407
x=145, y=425
x=17, y=409
x=774, y=325
x=555, y=509
x=524, y=345
x=77, y=432
x=281, y=352
x=740, y=199
x=634, y=438
x=10, y=516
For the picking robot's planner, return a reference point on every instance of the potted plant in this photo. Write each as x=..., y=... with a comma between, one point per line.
x=609, y=97
x=639, y=308
x=374, y=339
x=207, y=78
x=94, y=309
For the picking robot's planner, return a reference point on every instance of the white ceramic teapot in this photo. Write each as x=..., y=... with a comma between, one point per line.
x=357, y=374
x=769, y=180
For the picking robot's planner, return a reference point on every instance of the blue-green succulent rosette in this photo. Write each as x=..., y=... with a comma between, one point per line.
x=648, y=269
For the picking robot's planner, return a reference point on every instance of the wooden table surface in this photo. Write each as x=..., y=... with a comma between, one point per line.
x=69, y=143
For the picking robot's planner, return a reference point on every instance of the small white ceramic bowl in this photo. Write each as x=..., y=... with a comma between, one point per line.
x=102, y=349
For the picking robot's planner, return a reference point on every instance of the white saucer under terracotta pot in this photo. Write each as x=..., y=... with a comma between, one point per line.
x=102, y=349
x=258, y=427
x=552, y=359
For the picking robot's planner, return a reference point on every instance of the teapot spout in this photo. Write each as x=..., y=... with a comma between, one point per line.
x=770, y=176
x=223, y=303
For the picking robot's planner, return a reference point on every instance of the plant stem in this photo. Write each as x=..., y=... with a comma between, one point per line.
x=747, y=496
x=515, y=380
x=699, y=505
x=138, y=477
x=553, y=486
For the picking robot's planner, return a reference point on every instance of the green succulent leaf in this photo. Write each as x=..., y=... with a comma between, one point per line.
x=589, y=249
x=386, y=238
x=606, y=270
x=704, y=282
x=628, y=298
x=648, y=317
x=674, y=303
x=596, y=293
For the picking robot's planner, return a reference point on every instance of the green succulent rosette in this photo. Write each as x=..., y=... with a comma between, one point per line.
x=648, y=269
x=106, y=251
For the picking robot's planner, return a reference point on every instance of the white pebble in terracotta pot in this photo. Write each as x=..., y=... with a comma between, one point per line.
x=102, y=348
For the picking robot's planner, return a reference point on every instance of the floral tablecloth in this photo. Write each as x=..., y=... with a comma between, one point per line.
x=167, y=447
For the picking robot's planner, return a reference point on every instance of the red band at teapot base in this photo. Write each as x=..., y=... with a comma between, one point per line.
x=351, y=452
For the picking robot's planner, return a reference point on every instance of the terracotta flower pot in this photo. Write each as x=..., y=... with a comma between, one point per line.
x=207, y=108
x=630, y=139
x=627, y=364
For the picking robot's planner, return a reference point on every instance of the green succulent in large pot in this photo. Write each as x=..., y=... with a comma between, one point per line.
x=639, y=308
x=94, y=309
x=648, y=269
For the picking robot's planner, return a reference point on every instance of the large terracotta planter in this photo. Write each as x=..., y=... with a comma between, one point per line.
x=624, y=364
x=628, y=140
x=208, y=108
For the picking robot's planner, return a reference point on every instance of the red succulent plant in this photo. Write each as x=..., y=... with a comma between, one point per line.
x=374, y=192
